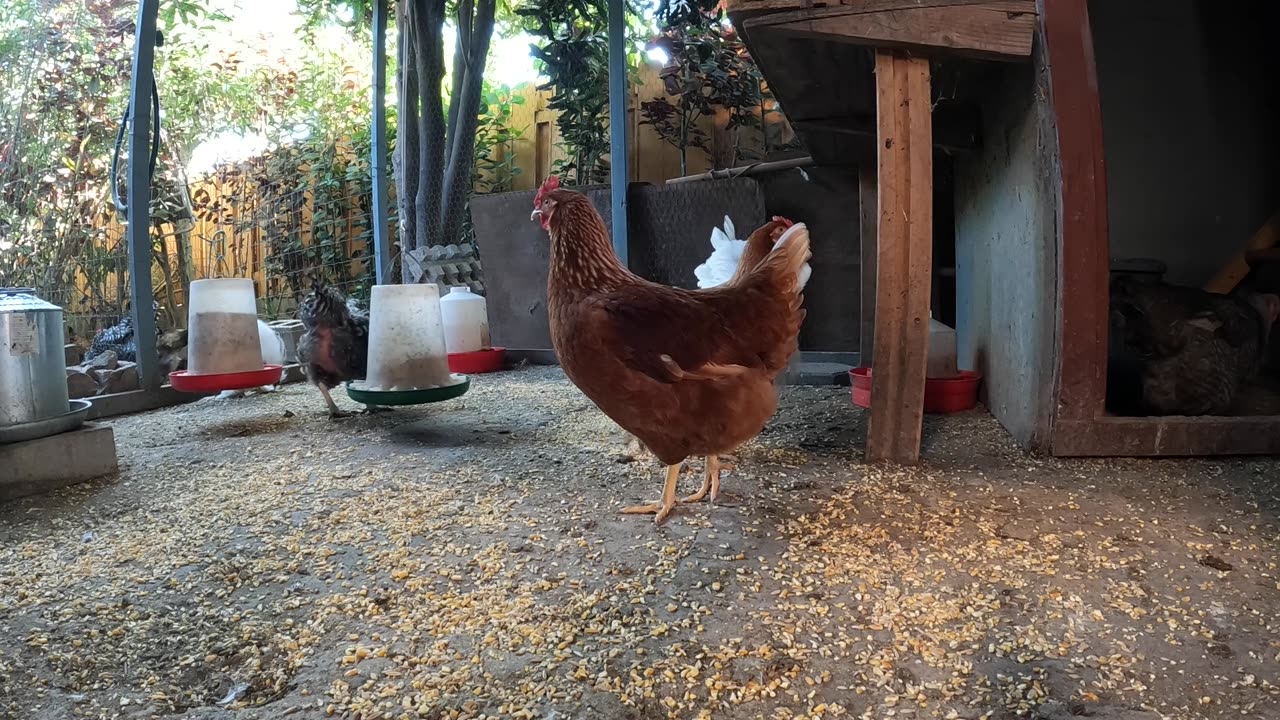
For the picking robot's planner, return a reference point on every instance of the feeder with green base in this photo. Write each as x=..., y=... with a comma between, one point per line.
x=408, y=363
x=362, y=393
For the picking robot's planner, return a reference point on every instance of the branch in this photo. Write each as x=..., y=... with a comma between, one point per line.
x=463, y=20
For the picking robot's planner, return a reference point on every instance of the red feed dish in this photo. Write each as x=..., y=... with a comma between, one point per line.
x=941, y=395
x=478, y=362
x=183, y=381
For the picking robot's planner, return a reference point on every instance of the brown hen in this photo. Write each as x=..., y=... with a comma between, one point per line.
x=687, y=372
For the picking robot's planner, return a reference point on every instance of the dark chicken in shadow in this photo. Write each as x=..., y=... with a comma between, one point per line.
x=1184, y=351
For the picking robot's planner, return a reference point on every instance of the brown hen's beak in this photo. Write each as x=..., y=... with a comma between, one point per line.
x=536, y=215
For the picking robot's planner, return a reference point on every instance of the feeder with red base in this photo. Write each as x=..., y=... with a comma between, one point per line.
x=941, y=395
x=224, y=351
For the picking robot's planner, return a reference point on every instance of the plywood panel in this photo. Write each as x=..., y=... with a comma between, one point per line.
x=1006, y=257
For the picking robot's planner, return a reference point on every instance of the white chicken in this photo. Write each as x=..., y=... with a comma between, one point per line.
x=726, y=252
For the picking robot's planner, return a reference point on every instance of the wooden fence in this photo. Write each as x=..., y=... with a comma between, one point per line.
x=238, y=232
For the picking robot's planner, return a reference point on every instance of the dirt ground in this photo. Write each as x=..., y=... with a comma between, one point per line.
x=257, y=560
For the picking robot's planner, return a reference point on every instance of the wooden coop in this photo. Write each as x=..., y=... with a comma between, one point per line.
x=1070, y=133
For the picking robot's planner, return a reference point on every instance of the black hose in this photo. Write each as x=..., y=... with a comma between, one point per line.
x=122, y=206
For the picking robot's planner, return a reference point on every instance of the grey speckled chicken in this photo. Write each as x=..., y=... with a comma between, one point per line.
x=1192, y=350
x=334, y=347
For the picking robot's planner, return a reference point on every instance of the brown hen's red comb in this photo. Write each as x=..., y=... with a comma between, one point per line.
x=551, y=183
x=785, y=222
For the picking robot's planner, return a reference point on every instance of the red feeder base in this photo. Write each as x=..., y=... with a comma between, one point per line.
x=480, y=361
x=183, y=381
x=941, y=395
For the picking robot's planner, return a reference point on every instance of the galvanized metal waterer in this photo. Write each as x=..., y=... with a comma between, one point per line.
x=33, y=376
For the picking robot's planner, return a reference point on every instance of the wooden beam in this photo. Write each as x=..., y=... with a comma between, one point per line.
x=1167, y=436
x=1083, y=239
x=836, y=7
x=1226, y=280
x=991, y=31
x=904, y=258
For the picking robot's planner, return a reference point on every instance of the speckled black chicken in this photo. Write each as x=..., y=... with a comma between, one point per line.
x=119, y=339
x=1191, y=351
x=334, y=347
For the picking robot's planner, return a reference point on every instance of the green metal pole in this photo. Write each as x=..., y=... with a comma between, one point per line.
x=139, y=217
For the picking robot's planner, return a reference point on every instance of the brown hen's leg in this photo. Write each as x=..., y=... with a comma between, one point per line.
x=334, y=412
x=710, y=482
x=662, y=509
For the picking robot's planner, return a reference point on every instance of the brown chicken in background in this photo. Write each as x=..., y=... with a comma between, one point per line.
x=1190, y=351
x=687, y=372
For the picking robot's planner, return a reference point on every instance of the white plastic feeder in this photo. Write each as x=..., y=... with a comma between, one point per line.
x=406, y=340
x=223, y=328
x=466, y=321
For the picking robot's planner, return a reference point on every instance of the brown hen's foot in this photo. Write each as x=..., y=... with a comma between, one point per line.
x=710, y=482
x=660, y=510
x=334, y=411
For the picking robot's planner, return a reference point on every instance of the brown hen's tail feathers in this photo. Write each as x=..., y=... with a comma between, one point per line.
x=790, y=258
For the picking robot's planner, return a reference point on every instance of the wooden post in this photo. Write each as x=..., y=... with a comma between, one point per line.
x=904, y=257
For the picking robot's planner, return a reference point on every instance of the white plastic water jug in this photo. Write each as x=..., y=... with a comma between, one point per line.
x=466, y=321
x=942, y=351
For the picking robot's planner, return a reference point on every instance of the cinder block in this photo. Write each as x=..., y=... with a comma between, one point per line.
x=40, y=466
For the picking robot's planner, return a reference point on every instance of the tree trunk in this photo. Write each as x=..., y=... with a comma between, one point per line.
x=406, y=155
x=474, y=42
x=435, y=150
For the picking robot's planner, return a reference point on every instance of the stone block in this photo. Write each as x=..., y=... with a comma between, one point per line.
x=46, y=464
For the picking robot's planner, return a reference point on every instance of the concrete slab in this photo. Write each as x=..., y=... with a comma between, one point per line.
x=44, y=465
x=817, y=373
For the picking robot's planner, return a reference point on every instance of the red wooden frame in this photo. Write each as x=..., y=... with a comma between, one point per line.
x=1079, y=423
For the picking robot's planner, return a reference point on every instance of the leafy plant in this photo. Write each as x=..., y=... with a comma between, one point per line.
x=494, y=167
x=708, y=73
x=574, y=55
x=64, y=80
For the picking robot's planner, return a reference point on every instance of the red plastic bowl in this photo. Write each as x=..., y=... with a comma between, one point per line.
x=941, y=395
x=186, y=382
x=480, y=361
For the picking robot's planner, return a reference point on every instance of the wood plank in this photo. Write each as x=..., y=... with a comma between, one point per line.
x=1083, y=240
x=868, y=230
x=1168, y=437
x=991, y=31
x=741, y=6
x=904, y=257
x=1226, y=279
x=872, y=7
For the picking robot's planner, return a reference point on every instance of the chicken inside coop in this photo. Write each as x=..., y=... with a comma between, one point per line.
x=686, y=372
x=1192, y=296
